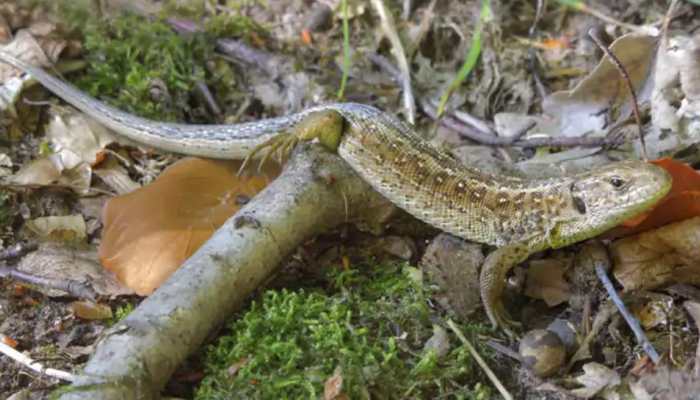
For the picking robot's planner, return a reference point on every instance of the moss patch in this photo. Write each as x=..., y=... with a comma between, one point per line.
x=370, y=327
x=143, y=68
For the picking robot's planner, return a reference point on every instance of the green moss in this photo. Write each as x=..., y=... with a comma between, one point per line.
x=371, y=327
x=143, y=67
x=121, y=313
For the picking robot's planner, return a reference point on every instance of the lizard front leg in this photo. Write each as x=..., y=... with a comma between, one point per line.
x=326, y=126
x=493, y=278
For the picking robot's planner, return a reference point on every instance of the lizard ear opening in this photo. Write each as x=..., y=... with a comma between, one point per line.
x=578, y=201
x=579, y=204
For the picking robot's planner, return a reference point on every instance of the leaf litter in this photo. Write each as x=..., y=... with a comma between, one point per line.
x=72, y=153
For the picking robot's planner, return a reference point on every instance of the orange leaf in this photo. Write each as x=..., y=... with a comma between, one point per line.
x=8, y=341
x=682, y=202
x=148, y=233
x=306, y=37
x=556, y=44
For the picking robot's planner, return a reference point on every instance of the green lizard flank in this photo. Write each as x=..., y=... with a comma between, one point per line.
x=519, y=216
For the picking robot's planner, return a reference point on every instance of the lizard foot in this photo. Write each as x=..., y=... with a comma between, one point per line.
x=501, y=319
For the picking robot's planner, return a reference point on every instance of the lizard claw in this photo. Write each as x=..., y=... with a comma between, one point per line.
x=282, y=144
x=326, y=126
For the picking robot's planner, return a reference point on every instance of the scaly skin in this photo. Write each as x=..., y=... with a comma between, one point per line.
x=519, y=216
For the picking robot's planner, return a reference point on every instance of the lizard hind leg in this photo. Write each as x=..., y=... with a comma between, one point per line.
x=325, y=125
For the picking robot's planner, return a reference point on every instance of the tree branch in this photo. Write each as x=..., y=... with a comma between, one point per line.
x=316, y=192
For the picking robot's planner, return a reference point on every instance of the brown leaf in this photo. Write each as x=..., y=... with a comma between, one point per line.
x=90, y=310
x=545, y=280
x=659, y=257
x=56, y=261
x=588, y=107
x=148, y=233
x=68, y=228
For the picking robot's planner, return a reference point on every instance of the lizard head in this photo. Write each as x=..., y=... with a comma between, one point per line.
x=609, y=195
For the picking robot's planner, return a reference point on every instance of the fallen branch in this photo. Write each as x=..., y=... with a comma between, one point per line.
x=316, y=192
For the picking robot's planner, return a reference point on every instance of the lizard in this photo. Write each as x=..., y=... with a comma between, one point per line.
x=518, y=216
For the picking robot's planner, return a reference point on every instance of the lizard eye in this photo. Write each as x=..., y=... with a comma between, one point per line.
x=617, y=182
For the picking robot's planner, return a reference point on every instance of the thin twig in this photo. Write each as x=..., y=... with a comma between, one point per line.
x=397, y=50
x=385, y=65
x=631, y=321
x=423, y=28
x=475, y=122
x=34, y=365
x=241, y=52
x=532, y=54
x=209, y=99
x=635, y=105
x=74, y=288
x=603, y=316
x=504, y=350
x=487, y=370
x=406, y=9
x=644, y=29
x=346, y=49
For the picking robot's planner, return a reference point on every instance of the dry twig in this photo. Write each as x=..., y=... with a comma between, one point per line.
x=485, y=367
x=397, y=50
x=623, y=72
x=34, y=365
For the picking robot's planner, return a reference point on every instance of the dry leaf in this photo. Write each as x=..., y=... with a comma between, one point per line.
x=148, y=233
x=693, y=309
x=603, y=95
x=39, y=172
x=49, y=170
x=8, y=340
x=439, y=342
x=333, y=387
x=545, y=280
x=677, y=62
x=69, y=228
x=235, y=367
x=595, y=379
x=26, y=48
x=659, y=257
x=653, y=312
x=90, y=310
x=57, y=261
x=76, y=139
x=116, y=177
